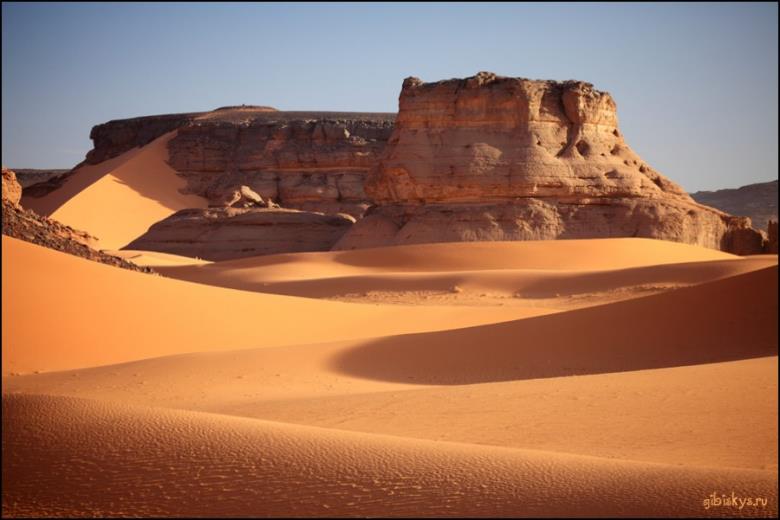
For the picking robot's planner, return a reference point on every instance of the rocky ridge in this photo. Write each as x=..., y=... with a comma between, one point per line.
x=757, y=201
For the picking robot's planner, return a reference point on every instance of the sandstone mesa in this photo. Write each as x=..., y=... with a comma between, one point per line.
x=481, y=158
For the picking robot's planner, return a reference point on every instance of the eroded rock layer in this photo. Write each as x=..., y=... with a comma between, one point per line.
x=226, y=233
x=306, y=160
x=496, y=158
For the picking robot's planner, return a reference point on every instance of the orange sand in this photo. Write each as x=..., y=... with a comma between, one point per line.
x=99, y=314
x=168, y=397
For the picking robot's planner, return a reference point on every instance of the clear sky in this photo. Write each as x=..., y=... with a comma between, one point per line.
x=696, y=84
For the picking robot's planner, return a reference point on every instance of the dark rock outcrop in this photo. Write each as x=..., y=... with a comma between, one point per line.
x=771, y=242
x=28, y=177
x=118, y=136
x=226, y=233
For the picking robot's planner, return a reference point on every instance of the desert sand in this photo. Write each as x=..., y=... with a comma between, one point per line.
x=242, y=388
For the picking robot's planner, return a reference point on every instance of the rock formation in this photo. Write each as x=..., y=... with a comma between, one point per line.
x=12, y=191
x=771, y=243
x=29, y=177
x=31, y=227
x=248, y=157
x=312, y=161
x=496, y=158
x=481, y=158
x=757, y=201
x=226, y=233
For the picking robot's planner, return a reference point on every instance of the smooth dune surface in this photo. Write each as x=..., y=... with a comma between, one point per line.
x=580, y=254
x=623, y=377
x=119, y=199
x=100, y=315
x=524, y=285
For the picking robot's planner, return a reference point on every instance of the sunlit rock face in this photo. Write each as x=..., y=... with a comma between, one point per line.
x=497, y=158
x=313, y=161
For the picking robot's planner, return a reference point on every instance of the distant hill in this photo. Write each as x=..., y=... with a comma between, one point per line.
x=757, y=201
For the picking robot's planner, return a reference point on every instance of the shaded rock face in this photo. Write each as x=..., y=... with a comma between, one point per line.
x=29, y=226
x=227, y=233
x=771, y=244
x=310, y=161
x=757, y=201
x=30, y=177
x=118, y=136
x=495, y=158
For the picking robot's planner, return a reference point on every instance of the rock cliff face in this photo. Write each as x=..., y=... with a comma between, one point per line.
x=757, y=201
x=771, y=244
x=29, y=177
x=305, y=160
x=226, y=233
x=120, y=135
x=496, y=158
x=235, y=156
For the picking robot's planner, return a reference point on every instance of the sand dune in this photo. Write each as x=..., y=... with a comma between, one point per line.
x=70, y=456
x=423, y=385
x=216, y=398
x=155, y=258
x=673, y=415
x=117, y=200
x=101, y=315
x=734, y=318
x=522, y=285
x=590, y=254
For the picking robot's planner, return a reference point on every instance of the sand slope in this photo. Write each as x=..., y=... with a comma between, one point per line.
x=414, y=384
x=68, y=456
x=586, y=254
x=720, y=414
x=729, y=319
x=181, y=398
x=95, y=314
x=119, y=199
x=526, y=285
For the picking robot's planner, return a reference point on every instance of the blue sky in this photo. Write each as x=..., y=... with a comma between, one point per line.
x=696, y=84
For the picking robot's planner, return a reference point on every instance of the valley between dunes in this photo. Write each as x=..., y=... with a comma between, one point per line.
x=604, y=377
